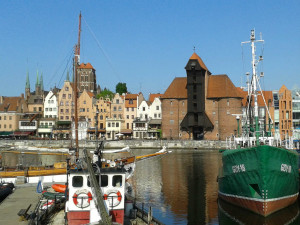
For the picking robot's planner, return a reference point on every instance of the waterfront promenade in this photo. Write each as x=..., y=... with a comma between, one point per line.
x=23, y=196
x=133, y=144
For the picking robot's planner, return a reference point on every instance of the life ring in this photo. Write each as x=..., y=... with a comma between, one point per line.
x=85, y=196
x=113, y=197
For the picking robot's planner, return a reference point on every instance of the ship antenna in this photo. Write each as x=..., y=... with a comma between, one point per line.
x=254, y=80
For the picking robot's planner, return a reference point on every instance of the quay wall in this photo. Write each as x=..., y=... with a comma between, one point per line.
x=134, y=144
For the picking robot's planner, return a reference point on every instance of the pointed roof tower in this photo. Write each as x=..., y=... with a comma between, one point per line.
x=195, y=56
x=37, y=79
x=27, y=81
x=41, y=82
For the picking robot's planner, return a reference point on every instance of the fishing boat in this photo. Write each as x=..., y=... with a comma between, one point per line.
x=255, y=174
x=5, y=190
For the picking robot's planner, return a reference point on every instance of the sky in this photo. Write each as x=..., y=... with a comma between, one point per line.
x=146, y=44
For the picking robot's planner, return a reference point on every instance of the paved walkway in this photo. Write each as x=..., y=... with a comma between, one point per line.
x=19, y=199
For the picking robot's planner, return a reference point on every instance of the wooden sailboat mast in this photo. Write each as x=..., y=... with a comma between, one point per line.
x=76, y=64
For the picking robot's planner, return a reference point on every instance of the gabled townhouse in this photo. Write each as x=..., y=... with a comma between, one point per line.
x=132, y=101
x=11, y=110
x=65, y=100
x=285, y=113
x=147, y=124
x=48, y=121
x=104, y=112
x=85, y=103
x=141, y=122
x=155, y=115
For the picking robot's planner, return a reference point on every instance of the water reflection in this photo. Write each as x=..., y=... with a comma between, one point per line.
x=181, y=186
x=230, y=214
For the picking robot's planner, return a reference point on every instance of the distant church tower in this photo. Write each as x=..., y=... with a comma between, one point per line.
x=27, y=87
x=86, y=78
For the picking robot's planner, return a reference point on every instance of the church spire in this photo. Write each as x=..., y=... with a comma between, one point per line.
x=37, y=79
x=27, y=81
x=41, y=82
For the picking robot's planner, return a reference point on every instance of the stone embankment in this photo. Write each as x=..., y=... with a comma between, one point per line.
x=133, y=144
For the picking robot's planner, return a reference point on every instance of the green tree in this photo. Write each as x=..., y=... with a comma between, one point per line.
x=121, y=88
x=106, y=93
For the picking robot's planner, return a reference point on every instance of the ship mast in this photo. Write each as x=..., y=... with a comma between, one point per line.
x=254, y=86
x=76, y=64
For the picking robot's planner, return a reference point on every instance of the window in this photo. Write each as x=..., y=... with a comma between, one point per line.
x=46, y=109
x=69, y=96
x=171, y=112
x=101, y=117
x=157, y=107
x=4, y=125
x=67, y=103
x=155, y=115
x=144, y=108
x=132, y=109
x=40, y=109
x=115, y=116
x=127, y=125
x=130, y=101
x=77, y=181
x=132, y=116
x=117, y=181
x=84, y=102
x=61, y=117
x=127, y=109
x=171, y=122
x=61, y=110
x=87, y=109
x=61, y=103
x=117, y=101
x=115, y=108
x=108, y=124
x=67, y=110
x=227, y=102
x=171, y=102
x=117, y=124
x=104, y=181
x=67, y=88
x=127, y=116
x=67, y=117
x=64, y=96
x=113, y=124
x=9, y=125
x=34, y=109
x=120, y=108
x=10, y=117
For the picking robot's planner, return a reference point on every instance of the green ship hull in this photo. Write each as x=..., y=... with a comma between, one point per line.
x=263, y=179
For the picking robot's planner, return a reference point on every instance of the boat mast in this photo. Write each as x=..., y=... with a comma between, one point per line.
x=76, y=64
x=254, y=80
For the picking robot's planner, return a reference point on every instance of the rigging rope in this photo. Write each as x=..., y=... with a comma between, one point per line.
x=102, y=50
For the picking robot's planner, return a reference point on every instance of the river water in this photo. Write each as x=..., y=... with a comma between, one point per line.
x=181, y=187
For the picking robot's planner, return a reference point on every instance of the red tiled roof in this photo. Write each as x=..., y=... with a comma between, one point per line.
x=131, y=96
x=177, y=89
x=90, y=94
x=220, y=86
x=85, y=66
x=10, y=103
x=153, y=96
x=268, y=95
x=195, y=56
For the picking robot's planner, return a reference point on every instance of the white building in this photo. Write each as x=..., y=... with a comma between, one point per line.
x=50, y=105
x=113, y=128
x=83, y=126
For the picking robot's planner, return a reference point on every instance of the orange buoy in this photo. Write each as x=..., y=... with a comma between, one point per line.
x=59, y=188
